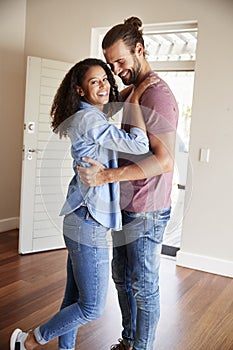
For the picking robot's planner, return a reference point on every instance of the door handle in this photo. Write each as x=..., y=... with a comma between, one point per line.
x=30, y=152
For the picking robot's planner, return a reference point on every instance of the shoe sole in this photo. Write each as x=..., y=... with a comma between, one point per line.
x=14, y=336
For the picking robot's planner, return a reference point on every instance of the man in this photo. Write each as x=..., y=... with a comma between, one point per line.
x=146, y=185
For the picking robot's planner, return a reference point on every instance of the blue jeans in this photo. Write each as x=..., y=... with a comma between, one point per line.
x=135, y=270
x=87, y=280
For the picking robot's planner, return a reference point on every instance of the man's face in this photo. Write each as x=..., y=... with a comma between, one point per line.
x=123, y=63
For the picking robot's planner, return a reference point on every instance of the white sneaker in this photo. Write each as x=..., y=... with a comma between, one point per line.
x=17, y=340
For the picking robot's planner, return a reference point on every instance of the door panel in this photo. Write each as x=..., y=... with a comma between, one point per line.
x=47, y=165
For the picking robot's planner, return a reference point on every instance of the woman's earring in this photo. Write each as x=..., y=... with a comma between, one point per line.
x=80, y=92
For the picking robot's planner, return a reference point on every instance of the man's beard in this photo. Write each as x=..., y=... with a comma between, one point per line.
x=134, y=73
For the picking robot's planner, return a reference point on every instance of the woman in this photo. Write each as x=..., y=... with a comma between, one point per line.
x=87, y=94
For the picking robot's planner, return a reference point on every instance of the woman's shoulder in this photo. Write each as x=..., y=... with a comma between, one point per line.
x=86, y=119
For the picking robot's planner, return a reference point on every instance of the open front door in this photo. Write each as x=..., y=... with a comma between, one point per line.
x=47, y=165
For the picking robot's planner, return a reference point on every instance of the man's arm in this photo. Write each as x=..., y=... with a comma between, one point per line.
x=161, y=161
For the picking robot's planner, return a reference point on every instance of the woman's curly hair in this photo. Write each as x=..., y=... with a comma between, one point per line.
x=67, y=100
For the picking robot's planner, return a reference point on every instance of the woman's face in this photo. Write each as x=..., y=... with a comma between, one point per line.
x=95, y=87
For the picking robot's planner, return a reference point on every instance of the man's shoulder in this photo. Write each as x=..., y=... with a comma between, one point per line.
x=158, y=95
x=158, y=89
x=159, y=108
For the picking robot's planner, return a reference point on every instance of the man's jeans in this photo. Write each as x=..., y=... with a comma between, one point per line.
x=87, y=280
x=135, y=269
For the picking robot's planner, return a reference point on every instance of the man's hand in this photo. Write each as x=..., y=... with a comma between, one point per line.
x=91, y=176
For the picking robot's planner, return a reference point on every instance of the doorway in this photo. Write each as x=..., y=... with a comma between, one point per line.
x=171, y=52
x=181, y=83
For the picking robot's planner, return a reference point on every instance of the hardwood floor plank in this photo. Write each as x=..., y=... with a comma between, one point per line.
x=196, y=307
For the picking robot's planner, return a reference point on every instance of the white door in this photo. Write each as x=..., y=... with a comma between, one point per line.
x=47, y=165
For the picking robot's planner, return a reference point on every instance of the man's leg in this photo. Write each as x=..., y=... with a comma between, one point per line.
x=121, y=278
x=144, y=236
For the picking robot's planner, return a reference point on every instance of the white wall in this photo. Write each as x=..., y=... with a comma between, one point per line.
x=208, y=224
x=61, y=29
x=12, y=82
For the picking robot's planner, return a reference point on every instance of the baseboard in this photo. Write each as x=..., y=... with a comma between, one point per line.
x=205, y=263
x=9, y=224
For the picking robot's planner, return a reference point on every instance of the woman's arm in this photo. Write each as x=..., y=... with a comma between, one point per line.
x=133, y=110
x=160, y=161
x=99, y=131
x=126, y=91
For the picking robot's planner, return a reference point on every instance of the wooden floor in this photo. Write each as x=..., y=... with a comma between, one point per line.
x=196, y=307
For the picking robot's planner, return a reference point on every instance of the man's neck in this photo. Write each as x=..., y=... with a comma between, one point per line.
x=145, y=68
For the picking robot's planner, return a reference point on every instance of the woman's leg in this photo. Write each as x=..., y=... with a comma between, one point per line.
x=70, y=297
x=88, y=267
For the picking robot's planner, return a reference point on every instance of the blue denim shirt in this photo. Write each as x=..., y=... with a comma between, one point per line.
x=93, y=136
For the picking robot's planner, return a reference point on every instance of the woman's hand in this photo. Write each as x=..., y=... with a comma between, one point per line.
x=133, y=116
x=150, y=80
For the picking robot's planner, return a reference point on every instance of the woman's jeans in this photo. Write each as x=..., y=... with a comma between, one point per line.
x=135, y=269
x=87, y=280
